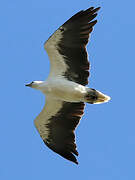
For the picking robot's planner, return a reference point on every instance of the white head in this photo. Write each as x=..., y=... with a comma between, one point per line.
x=35, y=84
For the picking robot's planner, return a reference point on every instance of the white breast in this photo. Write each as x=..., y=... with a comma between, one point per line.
x=62, y=89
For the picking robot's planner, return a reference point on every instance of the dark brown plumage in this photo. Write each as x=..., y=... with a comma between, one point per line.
x=61, y=137
x=75, y=35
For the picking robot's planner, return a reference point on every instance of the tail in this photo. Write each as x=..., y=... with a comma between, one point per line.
x=95, y=97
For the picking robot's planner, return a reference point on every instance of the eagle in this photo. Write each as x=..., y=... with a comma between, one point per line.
x=65, y=88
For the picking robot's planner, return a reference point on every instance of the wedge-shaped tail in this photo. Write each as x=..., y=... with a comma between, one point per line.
x=96, y=97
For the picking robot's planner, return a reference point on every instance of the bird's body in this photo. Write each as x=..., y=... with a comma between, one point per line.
x=65, y=89
x=62, y=89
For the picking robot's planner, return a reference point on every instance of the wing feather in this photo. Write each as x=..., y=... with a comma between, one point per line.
x=66, y=48
x=56, y=124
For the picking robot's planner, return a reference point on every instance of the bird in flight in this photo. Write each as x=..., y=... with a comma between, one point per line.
x=65, y=88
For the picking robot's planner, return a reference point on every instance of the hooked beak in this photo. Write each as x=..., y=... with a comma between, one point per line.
x=29, y=85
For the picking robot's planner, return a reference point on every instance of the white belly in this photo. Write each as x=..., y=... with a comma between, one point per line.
x=64, y=90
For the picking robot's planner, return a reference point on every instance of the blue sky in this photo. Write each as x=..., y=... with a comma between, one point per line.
x=106, y=135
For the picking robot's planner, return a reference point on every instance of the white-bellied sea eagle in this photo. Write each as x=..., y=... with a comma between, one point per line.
x=65, y=88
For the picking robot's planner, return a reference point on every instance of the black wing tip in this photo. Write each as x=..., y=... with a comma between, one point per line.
x=92, y=9
x=93, y=23
x=98, y=8
x=69, y=156
x=76, y=162
x=65, y=154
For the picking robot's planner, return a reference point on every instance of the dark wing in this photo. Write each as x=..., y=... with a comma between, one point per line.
x=56, y=124
x=67, y=47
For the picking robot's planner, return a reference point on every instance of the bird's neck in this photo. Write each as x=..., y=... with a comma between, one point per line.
x=38, y=85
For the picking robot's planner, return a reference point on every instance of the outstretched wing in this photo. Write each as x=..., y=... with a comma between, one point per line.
x=66, y=48
x=56, y=124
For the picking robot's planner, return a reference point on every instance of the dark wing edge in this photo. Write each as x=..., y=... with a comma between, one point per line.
x=72, y=45
x=61, y=128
